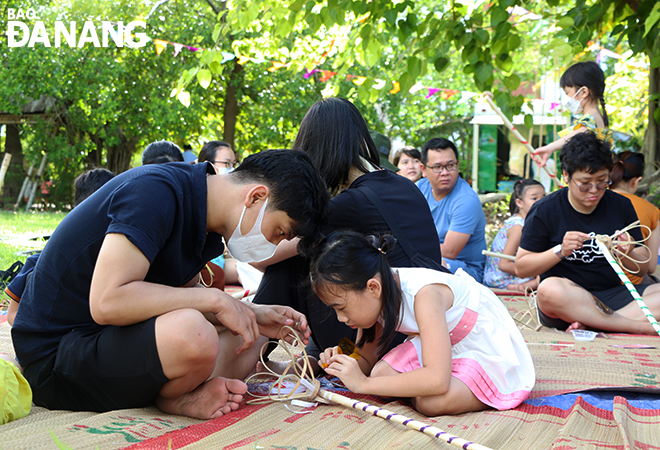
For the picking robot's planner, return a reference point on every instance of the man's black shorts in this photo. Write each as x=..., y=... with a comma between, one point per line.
x=616, y=298
x=100, y=369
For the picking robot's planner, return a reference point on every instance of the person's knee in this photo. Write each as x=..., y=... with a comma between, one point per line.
x=550, y=294
x=192, y=336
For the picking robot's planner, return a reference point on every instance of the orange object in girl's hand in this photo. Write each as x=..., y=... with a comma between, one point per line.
x=346, y=347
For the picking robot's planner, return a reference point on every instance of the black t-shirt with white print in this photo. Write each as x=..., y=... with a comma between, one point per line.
x=551, y=217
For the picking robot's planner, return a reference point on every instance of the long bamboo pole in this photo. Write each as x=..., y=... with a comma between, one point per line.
x=400, y=419
x=622, y=276
x=489, y=98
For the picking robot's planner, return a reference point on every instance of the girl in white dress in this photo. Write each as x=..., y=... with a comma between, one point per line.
x=464, y=352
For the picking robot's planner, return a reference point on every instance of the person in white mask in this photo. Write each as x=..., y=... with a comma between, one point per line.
x=113, y=316
x=584, y=86
x=220, y=154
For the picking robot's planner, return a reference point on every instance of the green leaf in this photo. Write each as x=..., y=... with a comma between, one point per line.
x=216, y=67
x=481, y=35
x=656, y=115
x=184, y=98
x=566, y=22
x=216, y=31
x=208, y=56
x=497, y=16
x=204, y=77
x=504, y=62
x=483, y=71
x=655, y=62
x=498, y=46
x=414, y=67
x=513, y=42
x=512, y=82
x=297, y=5
x=391, y=15
x=441, y=63
x=529, y=121
x=652, y=19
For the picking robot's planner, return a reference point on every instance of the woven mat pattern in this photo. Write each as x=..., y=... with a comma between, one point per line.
x=562, y=365
x=335, y=427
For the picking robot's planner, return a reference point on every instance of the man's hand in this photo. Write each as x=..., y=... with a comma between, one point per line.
x=622, y=242
x=239, y=318
x=271, y=319
x=573, y=240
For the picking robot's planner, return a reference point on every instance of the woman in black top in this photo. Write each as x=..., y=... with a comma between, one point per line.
x=335, y=136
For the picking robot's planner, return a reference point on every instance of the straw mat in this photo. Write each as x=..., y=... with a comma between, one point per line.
x=562, y=365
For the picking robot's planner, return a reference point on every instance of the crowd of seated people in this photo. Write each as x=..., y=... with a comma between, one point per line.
x=175, y=223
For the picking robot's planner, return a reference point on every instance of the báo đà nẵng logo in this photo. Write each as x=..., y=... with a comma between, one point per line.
x=21, y=34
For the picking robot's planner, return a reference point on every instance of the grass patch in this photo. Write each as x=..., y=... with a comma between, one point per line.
x=16, y=229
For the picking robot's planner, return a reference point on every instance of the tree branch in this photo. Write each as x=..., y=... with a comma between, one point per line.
x=213, y=6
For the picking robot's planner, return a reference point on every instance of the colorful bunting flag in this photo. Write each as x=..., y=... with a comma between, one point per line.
x=309, y=73
x=359, y=80
x=396, y=88
x=243, y=59
x=177, y=48
x=226, y=56
x=431, y=92
x=276, y=65
x=160, y=46
x=327, y=74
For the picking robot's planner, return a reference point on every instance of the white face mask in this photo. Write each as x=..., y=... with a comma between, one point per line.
x=253, y=246
x=223, y=170
x=573, y=105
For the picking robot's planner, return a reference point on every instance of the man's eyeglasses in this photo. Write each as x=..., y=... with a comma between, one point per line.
x=224, y=164
x=586, y=187
x=448, y=167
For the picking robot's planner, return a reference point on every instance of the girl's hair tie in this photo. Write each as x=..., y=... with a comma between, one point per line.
x=381, y=250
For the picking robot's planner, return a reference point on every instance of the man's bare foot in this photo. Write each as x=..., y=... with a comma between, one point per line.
x=576, y=326
x=209, y=400
x=280, y=367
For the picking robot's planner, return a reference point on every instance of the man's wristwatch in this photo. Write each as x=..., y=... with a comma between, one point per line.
x=557, y=250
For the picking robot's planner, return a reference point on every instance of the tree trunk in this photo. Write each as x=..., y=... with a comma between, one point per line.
x=15, y=172
x=652, y=135
x=119, y=156
x=230, y=113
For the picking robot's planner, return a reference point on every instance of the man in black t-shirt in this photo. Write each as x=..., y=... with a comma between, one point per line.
x=113, y=316
x=578, y=287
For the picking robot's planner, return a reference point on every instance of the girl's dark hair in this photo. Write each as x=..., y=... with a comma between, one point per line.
x=412, y=152
x=590, y=75
x=627, y=165
x=207, y=153
x=334, y=135
x=161, y=152
x=349, y=259
x=519, y=191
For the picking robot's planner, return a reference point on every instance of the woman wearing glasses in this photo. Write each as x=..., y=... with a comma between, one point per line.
x=578, y=287
x=220, y=155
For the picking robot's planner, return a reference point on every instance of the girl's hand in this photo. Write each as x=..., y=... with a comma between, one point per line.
x=543, y=154
x=349, y=372
x=327, y=354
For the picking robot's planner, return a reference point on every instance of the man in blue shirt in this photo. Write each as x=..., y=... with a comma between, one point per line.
x=113, y=316
x=455, y=207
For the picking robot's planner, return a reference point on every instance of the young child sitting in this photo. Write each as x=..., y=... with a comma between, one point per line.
x=464, y=352
x=501, y=272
